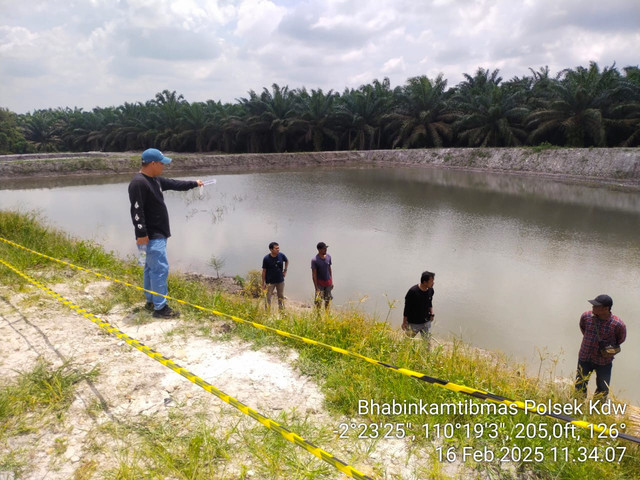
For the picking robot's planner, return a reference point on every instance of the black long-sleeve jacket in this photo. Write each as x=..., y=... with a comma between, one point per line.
x=148, y=212
x=418, y=304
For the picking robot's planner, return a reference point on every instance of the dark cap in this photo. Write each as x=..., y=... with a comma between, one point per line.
x=321, y=245
x=602, y=301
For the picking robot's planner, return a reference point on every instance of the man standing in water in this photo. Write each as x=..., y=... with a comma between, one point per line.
x=322, y=276
x=151, y=224
x=418, y=307
x=601, y=333
x=274, y=269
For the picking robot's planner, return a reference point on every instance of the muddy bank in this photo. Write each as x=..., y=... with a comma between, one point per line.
x=601, y=165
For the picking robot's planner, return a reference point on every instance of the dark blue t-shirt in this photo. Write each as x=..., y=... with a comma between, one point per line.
x=274, y=267
x=323, y=268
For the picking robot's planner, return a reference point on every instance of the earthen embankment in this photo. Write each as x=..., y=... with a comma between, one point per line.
x=607, y=165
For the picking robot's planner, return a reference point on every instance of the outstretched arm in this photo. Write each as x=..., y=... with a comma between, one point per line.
x=179, y=185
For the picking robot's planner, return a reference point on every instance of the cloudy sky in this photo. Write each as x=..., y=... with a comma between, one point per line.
x=59, y=53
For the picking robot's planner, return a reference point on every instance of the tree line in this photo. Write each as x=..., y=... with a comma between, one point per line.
x=579, y=107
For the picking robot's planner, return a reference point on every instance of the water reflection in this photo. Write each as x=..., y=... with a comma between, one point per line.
x=515, y=258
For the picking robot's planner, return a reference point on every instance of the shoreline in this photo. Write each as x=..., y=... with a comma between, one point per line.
x=616, y=167
x=229, y=285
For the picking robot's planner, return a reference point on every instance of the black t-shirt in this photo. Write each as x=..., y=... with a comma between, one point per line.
x=274, y=266
x=148, y=212
x=417, y=304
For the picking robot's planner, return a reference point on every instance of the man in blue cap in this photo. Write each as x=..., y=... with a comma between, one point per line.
x=151, y=224
x=602, y=334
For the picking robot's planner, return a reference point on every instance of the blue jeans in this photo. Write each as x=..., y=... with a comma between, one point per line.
x=156, y=271
x=603, y=377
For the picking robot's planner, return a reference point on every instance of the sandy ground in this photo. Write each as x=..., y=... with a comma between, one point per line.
x=131, y=384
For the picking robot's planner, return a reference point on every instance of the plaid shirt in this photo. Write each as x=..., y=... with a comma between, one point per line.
x=612, y=332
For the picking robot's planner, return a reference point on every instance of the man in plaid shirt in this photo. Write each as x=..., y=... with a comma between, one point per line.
x=599, y=328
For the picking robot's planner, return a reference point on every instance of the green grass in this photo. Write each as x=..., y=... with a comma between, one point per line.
x=43, y=390
x=199, y=445
x=179, y=446
x=152, y=448
x=541, y=147
x=35, y=400
x=29, y=229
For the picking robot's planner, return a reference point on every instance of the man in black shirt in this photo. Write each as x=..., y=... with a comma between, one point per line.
x=151, y=223
x=418, y=307
x=274, y=269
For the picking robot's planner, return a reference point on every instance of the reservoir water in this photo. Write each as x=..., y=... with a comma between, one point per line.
x=516, y=258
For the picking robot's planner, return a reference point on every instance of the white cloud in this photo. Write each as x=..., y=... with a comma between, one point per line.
x=13, y=38
x=257, y=19
x=97, y=39
x=393, y=65
x=104, y=52
x=359, y=79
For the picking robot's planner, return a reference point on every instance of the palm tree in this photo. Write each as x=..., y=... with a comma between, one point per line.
x=488, y=115
x=88, y=130
x=482, y=82
x=535, y=89
x=575, y=115
x=583, y=106
x=227, y=127
x=42, y=130
x=384, y=95
x=254, y=128
x=193, y=127
x=11, y=137
x=166, y=116
x=422, y=117
x=623, y=128
x=132, y=121
x=632, y=75
x=270, y=114
x=360, y=113
x=494, y=119
x=623, y=124
x=73, y=120
x=317, y=122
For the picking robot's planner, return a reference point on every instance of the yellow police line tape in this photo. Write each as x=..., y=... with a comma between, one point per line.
x=473, y=392
x=267, y=422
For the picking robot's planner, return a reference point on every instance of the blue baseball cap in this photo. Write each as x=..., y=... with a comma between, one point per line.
x=154, y=155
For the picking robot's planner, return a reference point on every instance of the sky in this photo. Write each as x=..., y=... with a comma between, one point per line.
x=100, y=53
